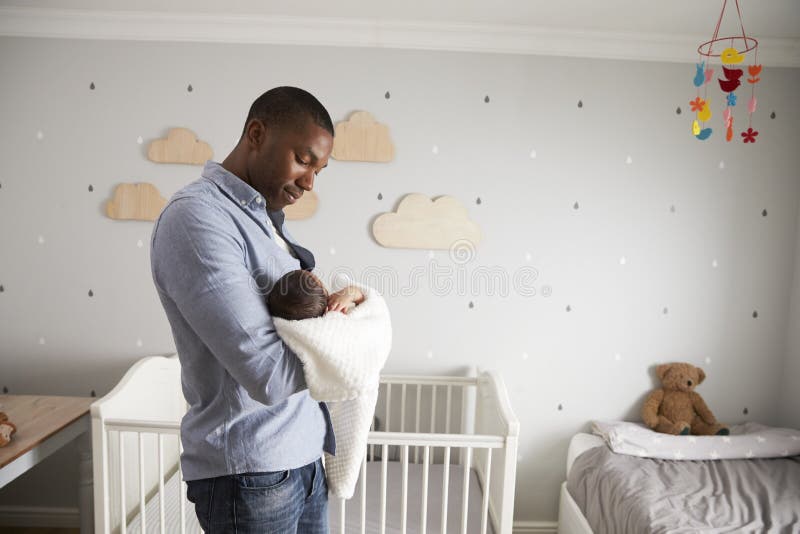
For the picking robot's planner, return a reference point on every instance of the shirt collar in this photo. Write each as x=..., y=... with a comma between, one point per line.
x=237, y=189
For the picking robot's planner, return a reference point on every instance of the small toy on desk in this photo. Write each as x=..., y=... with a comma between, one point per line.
x=7, y=429
x=676, y=408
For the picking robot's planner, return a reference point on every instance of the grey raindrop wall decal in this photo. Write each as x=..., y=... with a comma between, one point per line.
x=486, y=99
x=478, y=200
x=772, y=115
x=678, y=111
x=755, y=314
x=576, y=206
x=190, y=88
x=665, y=311
x=91, y=188
x=5, y=390
x=387, y=96
x=580, y=103
x=569, y=308
x=91, y=293
x=764, y=212
x=471, y=304
x=91, y=86
x=93, y=393
x=380, y=196
x=2, y=288
x=672, y=208
x=560, y=407
x=745, y=411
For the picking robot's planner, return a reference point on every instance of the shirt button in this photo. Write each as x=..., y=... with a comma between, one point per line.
x=243, y=202
x=258, y=200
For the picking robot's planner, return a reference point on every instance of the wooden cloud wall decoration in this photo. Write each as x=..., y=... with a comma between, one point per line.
x=140, y=202
x=361, y=138
x=303, y=208
x=180, y=146
x=421, y=222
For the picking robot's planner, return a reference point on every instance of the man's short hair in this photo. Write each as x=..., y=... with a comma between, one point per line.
x=289, y=107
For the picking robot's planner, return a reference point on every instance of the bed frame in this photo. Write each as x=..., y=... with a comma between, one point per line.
x=463, y=423
x=570, y=518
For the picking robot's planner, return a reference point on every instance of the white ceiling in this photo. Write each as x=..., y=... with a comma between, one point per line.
x=666, y=30
x=763, y=18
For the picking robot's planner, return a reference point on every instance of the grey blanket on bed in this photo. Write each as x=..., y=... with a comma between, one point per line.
x=625, y=494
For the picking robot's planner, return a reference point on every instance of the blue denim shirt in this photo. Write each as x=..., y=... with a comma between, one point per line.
x=213, y=259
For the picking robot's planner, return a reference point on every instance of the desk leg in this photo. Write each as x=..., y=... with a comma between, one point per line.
x=85, y=483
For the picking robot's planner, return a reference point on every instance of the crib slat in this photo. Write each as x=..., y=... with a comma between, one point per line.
x=342, y=516
x=433, y=409
x=388, y=406
x=486, y=489
x=465, y=493
x=162, y=526
x=404, y=505
x=416, y=421
x=142, y=503
x=364, y=496
x=447, y=414
x=426, y=453
x=384, y=465
x=445, y=488
x=123, y=523
x=181, y=491
x=403, y=408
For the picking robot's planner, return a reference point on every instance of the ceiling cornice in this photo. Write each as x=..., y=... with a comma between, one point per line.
x=460, y=37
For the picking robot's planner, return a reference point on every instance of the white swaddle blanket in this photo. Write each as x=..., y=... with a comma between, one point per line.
x=342, y=357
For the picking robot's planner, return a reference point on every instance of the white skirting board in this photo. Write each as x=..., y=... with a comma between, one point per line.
x=39, y=516
x=535, y=527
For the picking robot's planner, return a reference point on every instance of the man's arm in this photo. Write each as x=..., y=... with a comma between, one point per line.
x=199, y=263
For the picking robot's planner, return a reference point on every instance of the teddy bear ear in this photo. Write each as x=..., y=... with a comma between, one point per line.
x=701, y=375
x=662, y=369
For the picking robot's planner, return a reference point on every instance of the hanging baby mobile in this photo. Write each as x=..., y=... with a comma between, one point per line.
x=732, y=52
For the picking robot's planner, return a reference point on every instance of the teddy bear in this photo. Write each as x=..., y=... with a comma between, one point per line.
x=675, y=408
x=7, y=430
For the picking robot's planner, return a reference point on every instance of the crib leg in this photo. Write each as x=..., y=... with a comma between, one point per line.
x=85, y=483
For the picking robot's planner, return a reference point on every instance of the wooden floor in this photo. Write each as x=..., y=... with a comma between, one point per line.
x=38, y=530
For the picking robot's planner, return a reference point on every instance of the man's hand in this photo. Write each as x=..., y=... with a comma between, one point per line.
x=344, y=298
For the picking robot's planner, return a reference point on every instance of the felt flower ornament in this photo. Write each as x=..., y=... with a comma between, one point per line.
x=754, y=71
x=731, y=99
x=750, y=135
x=697, y=104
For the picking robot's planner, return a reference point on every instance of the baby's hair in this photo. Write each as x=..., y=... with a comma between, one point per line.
x=298, y=295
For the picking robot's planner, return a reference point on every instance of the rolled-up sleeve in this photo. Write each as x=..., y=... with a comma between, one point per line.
x=198, y=261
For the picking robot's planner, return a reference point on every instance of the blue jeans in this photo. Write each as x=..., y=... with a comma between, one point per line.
x=280, y=502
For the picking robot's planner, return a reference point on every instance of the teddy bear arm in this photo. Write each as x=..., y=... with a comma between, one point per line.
x=702, y=409
x=651, y=406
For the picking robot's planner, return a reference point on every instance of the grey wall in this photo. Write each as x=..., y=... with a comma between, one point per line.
x=700, y=257
x=791, y=374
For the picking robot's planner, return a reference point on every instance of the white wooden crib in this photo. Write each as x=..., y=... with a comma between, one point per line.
x=440, y=458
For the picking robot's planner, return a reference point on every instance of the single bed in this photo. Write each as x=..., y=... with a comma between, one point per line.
x=619, y=493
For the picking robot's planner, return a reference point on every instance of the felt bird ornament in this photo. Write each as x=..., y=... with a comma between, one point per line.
x=728, y=86
x=730, y=56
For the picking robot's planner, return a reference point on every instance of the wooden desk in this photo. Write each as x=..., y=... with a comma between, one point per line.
x=44, y=425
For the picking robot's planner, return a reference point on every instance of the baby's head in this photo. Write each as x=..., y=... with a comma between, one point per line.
x=298, y=295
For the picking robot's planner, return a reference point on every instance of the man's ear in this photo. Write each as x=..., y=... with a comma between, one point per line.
x=255, y=132
x=701, y=375
x=662, y=369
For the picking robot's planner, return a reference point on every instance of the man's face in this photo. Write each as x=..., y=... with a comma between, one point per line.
x=284, y=162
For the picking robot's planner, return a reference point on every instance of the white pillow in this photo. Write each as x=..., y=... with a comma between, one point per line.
x=749, y=440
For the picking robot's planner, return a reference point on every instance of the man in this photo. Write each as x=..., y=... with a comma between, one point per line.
x=252, y=436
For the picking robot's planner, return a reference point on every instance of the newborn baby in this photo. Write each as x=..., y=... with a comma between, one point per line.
x=342, y=356
x=301, y=295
